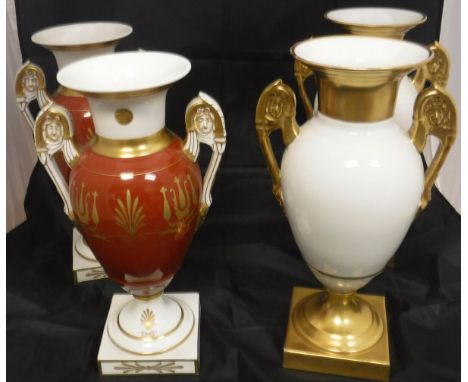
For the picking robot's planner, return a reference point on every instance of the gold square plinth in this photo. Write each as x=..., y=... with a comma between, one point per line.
x=299, y=354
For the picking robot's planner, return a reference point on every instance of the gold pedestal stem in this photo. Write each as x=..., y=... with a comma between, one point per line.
x=338, y=322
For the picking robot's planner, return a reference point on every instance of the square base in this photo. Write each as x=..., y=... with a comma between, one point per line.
x=83, y=268
x=373, y=363
x=184, y=359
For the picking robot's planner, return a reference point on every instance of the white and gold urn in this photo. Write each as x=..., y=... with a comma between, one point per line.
x=351, y=182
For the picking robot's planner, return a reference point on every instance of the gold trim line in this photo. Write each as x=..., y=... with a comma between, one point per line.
x=81, y=47
x=132, y=148
x=396, y=30
x=125, y=94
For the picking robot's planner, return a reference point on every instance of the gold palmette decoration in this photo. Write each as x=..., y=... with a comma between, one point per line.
x=129, y=215
x=148, y=318
x=434, y=114
x=276, y=110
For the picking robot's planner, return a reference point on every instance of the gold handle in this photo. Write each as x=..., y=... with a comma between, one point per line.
x=204, y=122
x=302, y=72
x=30, y=85
x=53, y=132
x=276, y=109
x=434, y=114
x=435, y=71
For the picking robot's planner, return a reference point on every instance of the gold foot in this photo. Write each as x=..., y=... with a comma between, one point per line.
x=337, y=334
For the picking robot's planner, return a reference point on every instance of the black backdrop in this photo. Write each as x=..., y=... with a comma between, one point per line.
x=243, y=260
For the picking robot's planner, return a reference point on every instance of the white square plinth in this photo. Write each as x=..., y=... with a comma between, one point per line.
x=181, y=360
x=85, y=269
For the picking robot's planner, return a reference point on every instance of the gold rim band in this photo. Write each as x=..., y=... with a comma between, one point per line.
x=396, y=31
x=345, y=277
x=81, y=47
x=132, y=148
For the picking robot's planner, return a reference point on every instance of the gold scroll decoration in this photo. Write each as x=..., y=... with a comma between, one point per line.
x=436, y=71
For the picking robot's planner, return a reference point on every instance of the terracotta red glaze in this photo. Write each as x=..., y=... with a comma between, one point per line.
x=82, y=123
x=138, y=215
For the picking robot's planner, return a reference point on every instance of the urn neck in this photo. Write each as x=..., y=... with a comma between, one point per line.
x=129, y=117
x=357, y=77
x=357, y=96
x=65, y=57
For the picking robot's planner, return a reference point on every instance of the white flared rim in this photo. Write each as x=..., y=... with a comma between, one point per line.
x=124, y=73
x=351, y=52
x=85, y=34
x=376, y=17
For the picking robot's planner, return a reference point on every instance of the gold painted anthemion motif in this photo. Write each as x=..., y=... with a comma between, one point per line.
x=148, y=319
x=129, y=215
x=160, y=367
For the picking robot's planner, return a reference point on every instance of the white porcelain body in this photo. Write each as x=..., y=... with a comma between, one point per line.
x=351, y=191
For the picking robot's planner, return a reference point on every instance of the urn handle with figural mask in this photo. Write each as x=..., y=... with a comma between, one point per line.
x=351, y=182
x=136, y=192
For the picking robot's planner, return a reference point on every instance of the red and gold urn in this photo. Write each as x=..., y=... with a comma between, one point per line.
x=136, y=193
x=69, y=43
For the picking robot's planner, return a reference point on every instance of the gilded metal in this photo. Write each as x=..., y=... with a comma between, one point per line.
x=302, y=72
x=436, y=71
x=337, y=322
x=276, y=109
x=204, y=122
x=129, y=216
x=123, y=116
x=396, y=31
x=434, y=114
x=132, y=148
x=301, y=354
x=357, y=95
